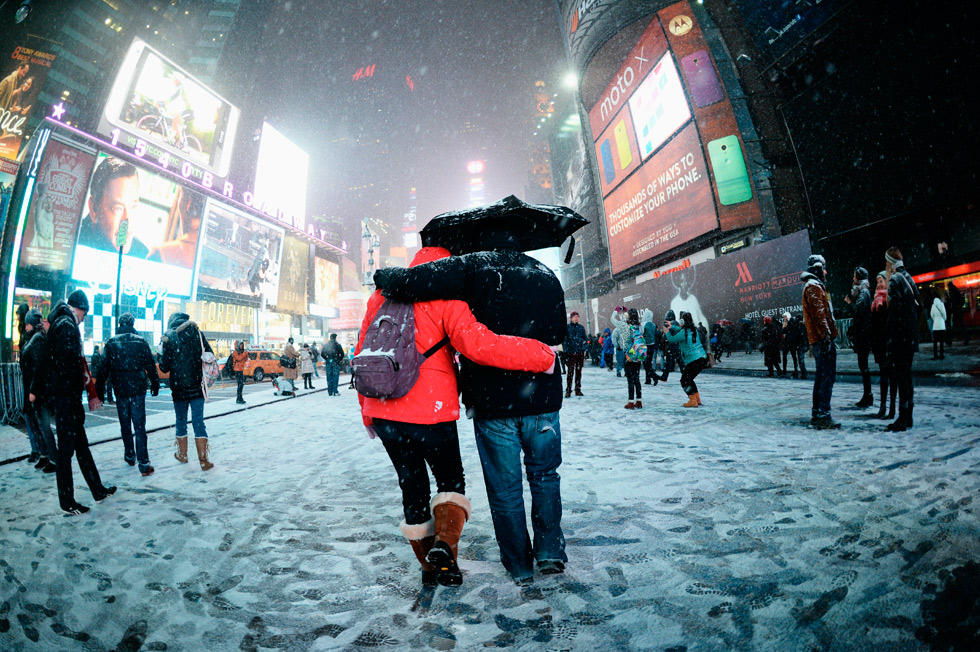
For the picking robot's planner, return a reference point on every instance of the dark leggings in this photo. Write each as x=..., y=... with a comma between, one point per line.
x=691, y=371
x=411, y=446
x=883, y=381
x=632, y=370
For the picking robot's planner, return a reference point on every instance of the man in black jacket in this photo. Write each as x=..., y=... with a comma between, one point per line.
x=574, y=347
x=333, y=354
x=860, y=299
x=63, y=376
x=129, y=362
x=512, y=294
x=183, y=346
x=33, y=349
x=904, y=307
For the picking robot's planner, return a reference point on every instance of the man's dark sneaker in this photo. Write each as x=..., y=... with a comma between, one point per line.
x=99, y=496
x=824, y=423
x=149, y=471
x=578, y=392
x=75, y=509
x=41, y=463
x=131, y=462
x=50, y=467
x=568, y=393
x=866, y=401
x=33, y=457
x=551, y=567
x=240, y=401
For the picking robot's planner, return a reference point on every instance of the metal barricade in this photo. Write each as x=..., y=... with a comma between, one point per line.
x=11, y=394
x=843, y=341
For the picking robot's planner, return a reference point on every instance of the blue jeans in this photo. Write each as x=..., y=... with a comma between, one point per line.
x=500, y=442
x=333, y=377
x=132, y=417
x=802, y=354
x=33, y=433
x=823, y=379
x=197, y=417
x=38, y=418
x=620, y=359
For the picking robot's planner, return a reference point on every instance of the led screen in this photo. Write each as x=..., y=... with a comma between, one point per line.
x=155, y=101
x=327, y=287
x=239, y=253
x=280, y=178
x=658, y=106
x=160, y=222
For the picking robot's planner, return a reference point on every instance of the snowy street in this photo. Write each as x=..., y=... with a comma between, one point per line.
x=733, y=526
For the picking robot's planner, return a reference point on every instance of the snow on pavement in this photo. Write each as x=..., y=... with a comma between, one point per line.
x=728, y=527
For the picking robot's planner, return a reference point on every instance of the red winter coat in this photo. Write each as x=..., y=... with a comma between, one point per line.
x=435, y=397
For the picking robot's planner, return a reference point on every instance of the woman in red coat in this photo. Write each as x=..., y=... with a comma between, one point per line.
x=239, y=360
x=420, y=427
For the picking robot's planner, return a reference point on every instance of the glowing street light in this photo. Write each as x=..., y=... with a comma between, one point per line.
x=571, y=80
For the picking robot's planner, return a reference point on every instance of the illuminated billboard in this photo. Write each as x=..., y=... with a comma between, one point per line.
x=671, y=161
x=22, y=74
x=239, y=253
x=280, y=178
x=55, y=208
x=176, y=117
x=157, y=221
x=326, y=287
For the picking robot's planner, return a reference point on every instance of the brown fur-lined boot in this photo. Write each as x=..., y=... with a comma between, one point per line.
x=422, y=536
x=450, y=511
x=692, y=401
x=203, y=448
x=181, y=454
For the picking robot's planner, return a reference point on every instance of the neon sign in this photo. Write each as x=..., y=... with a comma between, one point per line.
x=475, y=167
x=364, y=73
x=150, y=154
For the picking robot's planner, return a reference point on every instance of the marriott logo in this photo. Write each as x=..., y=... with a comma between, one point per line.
x=744, y=276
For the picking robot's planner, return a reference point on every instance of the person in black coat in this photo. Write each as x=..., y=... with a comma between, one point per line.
x=574, y=347
x=183, y=346
x=772, y=337
x=511, y=294
x=129, y=363
x=33, y=346
x=63, y=375
x=96, y=364
x=904, y=307
x=333, y=355
x=860, y=335
x=879, y=343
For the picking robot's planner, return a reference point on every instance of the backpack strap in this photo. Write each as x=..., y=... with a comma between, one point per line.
x=438, y=345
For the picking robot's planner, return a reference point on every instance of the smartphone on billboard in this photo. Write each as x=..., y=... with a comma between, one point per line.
x=728, y=168
x=702, y=79
x=623, y=145
x=608, y=167
x=154, y=101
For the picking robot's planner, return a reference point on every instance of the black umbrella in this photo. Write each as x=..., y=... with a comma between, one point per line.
x=527, y=226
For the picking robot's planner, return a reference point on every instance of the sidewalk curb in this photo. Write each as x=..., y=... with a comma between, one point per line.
x=19, y=458
x=962, y=379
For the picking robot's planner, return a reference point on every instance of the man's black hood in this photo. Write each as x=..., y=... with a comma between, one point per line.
x=60, y=311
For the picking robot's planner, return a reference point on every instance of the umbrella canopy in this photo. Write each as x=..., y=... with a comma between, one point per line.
x=510, y=220
x=725, y=322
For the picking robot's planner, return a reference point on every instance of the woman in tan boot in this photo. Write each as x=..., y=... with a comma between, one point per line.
x=692, y=353
x=418, y=430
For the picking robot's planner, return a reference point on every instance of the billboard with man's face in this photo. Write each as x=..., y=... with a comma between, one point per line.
x=157, y=221
x=154, y=102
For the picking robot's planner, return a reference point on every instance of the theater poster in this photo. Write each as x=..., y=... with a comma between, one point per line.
x=23, y=70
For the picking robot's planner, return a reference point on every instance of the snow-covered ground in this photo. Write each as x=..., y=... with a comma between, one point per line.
x=728, y=527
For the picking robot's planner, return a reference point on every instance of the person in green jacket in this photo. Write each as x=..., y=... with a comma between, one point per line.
x=686, y=336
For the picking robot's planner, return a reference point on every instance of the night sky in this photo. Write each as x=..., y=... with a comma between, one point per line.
x=471, y=62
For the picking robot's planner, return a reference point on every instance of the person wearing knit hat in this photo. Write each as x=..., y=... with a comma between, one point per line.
x=30, y=320
x=821, y=330
x=574, y=348
x=62, y=377
x=860, y=331
x=904, y=309
x=879, y=341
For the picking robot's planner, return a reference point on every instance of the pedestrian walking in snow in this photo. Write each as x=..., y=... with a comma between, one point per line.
x=802, y=342
x=904, y=307
x=879, y=346
x=315, y=353
x=685, y=336
x=771, y=339
x=420, y=426
x=652, y=338
x=608, y=350
x=574, y=347
x=938, y=315
x=620, y=337
x=183, y=345
x=821, y=328
x=955, y=313
x=672, y=352
x=128, y=363
x=290, y=368
x=37, y=415
x=240, y=361
x=636, y=353
x=63, y=375
x=333, y=357
x=860, y=332
x=788, y=344
x=96, y=364
x=306, y=366
x=513, y=412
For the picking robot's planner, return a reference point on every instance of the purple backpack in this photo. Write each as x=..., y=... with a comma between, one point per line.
x=388, y=364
